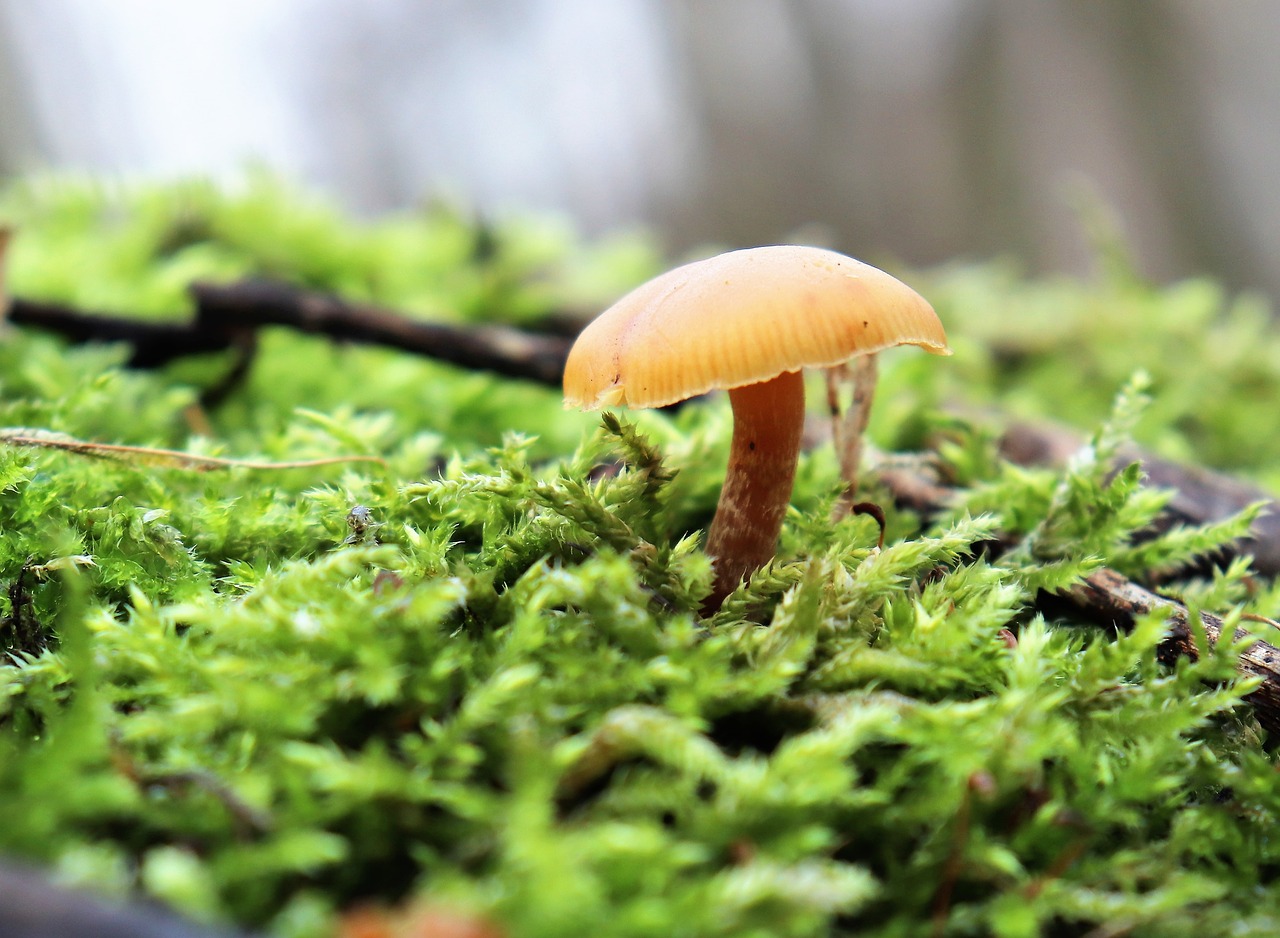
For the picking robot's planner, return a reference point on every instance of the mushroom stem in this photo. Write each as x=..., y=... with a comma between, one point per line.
x=850, y=431
x=768, y=419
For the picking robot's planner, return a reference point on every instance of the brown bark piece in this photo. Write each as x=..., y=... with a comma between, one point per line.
x=1108, y=597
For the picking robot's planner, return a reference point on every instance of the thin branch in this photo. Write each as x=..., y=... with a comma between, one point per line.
x=225, y=313
x=500, y=349
x=163, y=458
x=249, y=821
x=153, y=343
x=1111, y=599
x=1201, y=495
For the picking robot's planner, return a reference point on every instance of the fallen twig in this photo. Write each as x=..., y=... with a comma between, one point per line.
x=1200, y=495
x=1110, y=598
x=500, y=349
x=162, y=458
x=153, y=343
x=225, y=313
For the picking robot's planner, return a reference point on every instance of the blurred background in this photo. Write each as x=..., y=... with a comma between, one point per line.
x=917, y=131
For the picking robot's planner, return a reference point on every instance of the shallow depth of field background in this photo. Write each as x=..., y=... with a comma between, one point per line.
x=914, y=130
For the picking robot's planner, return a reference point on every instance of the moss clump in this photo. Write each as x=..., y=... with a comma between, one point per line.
x=494, y=693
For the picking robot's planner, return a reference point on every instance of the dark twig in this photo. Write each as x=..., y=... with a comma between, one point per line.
x=876, y=513
x=245, y=346
x=1200, y=495
x=500, y=349
x=249, y=821
x=153, y=343
x=1109, y=598
x=226, y=313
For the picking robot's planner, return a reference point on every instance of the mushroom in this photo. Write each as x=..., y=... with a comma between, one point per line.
x=747, y=322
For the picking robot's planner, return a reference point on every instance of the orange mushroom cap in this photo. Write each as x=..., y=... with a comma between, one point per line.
x=741, y=318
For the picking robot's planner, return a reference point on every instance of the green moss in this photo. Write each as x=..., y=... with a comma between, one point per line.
x=499, y=695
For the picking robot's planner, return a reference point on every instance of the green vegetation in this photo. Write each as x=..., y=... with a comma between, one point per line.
x=498, y=696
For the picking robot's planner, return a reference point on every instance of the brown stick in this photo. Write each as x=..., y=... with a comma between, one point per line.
x=1110, y=599
x=500, y=349
x=164, y=458
x=224, y=313
x=154, y=343
x=1201, y=495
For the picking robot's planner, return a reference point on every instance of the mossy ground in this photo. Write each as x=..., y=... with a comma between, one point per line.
x=498, y=695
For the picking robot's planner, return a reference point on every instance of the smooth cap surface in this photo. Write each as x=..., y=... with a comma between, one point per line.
x=740, y=318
